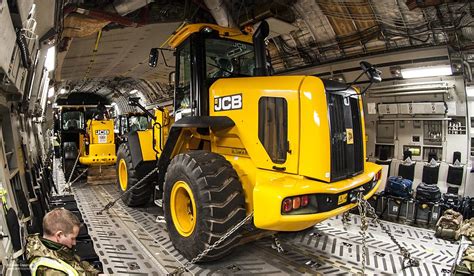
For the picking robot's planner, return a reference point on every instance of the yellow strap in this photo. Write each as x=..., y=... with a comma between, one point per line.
x=56, y=264
x=94, y=52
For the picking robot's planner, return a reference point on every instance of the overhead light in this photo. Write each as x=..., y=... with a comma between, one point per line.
x=50, y=62
x=133, y=91
x=62, y=91
x=470, y=91
x=422, y=72
x=396, y=71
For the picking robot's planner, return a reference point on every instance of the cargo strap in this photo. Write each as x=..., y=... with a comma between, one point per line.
x=112, y=203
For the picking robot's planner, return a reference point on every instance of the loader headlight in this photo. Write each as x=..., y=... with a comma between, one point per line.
x=377, y=176
x=207, y=30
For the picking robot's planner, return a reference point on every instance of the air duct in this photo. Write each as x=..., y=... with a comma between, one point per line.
x=82, y=22
x=124, y=7
x=220, y=13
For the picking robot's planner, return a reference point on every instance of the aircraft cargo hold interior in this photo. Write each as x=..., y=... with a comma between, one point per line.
x=222, y=137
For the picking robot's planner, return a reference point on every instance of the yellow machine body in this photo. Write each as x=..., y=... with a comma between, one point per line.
x=305, y=170
x=307, y=166
x=100, y=149
x=146, y=139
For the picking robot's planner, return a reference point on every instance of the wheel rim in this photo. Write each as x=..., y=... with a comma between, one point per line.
x=123, y=175
x=183, y=208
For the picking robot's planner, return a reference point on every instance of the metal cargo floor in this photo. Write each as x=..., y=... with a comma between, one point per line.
x=135, y=241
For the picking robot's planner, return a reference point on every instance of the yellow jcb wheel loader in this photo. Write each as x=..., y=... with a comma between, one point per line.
x=137, y=155
x=289, y=148
x=87, y=145
x=98, y=143
x=97, y=146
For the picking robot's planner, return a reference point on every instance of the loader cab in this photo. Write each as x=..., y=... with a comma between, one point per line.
x=72, y=120
x=72, y=123
x=129, y=122
x=206, y=55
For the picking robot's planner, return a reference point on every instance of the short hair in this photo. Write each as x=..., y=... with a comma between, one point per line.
x=59, y=219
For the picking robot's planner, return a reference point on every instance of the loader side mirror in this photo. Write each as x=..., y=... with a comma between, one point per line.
x=372, y=73
x=153, y=58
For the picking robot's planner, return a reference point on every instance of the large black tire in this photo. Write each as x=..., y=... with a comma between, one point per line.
x=218, y=198
x=68, y=165
x=141, y=194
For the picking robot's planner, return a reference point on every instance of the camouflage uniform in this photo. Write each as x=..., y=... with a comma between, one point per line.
x=449, y=225
x=466, y=267
x=59, y=259
x=467, y=229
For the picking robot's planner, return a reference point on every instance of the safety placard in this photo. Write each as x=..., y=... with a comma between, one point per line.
x=341, y=199
x=103, y=139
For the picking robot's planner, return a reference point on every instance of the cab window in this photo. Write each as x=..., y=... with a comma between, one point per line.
x=138, y=123
x=228, y=58
x=72, y=120
x=123, y=125
x=182, y=103
x=273, y=127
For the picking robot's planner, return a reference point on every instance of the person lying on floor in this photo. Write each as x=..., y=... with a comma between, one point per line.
x=53, y=254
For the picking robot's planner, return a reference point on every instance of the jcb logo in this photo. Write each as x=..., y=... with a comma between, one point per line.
x=102, y=132
x=230, y=102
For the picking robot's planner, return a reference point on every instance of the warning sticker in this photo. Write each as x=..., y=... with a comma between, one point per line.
x=350, y=136
x=341, y=199
x=103, y=139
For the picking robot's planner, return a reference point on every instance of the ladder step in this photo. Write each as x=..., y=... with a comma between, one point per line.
x=159, y=203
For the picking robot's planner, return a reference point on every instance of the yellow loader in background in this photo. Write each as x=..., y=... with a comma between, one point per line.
x=98, y=143
x=89, y=145
x=289, y=150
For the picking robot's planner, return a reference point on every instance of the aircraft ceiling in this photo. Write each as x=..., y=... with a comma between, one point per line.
x=304, y=33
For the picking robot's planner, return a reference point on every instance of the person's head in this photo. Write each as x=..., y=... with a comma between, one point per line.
x=101, y=113
x=61, y=226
